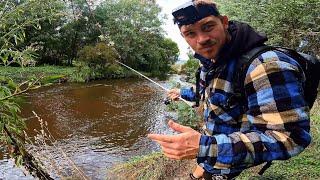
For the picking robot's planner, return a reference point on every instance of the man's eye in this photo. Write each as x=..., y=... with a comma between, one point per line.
x=190, y=34
x=208, y=27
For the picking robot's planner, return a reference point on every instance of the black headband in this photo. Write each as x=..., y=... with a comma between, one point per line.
x=189, y=13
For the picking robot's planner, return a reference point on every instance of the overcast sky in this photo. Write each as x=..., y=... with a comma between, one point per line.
x=171, y=29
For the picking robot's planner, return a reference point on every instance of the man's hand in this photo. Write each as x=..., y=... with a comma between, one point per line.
x=181, y=146
x=174, y=94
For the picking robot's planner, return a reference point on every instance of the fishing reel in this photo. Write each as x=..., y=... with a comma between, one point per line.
x=167, y=101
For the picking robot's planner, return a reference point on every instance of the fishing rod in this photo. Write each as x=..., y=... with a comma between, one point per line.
x=166, y=89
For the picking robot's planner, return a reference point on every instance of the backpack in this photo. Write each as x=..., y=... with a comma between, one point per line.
x=309, y=64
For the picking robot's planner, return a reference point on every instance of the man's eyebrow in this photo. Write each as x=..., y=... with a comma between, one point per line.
x=187, y=29
x=209, y=22
x=188, y=26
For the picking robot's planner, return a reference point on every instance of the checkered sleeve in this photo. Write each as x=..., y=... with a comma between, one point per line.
x=278, y=117
x=188, y=94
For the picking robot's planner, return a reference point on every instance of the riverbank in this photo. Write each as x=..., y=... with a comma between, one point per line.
x=156, y=166
x=60, y=74
x=19, y=74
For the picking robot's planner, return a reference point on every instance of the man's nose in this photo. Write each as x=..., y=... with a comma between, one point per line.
x=202, y=38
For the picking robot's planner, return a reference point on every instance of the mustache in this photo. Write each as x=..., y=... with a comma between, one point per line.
x=209, y=43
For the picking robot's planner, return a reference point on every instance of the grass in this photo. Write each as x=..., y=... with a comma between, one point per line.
x=52, y=74
x=151, y=167
x=19, y=74
x=305, y=166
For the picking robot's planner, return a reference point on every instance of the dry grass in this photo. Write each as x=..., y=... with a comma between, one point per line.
x=152, y=167
x=45, y=150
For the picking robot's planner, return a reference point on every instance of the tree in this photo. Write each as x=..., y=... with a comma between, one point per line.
x=286, y=22
x=160, y=55
x=59, y=40
x=134, y=27
x=15, y=18
x=81, y=29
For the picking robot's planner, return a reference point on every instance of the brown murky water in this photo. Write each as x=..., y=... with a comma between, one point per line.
x=98, y=124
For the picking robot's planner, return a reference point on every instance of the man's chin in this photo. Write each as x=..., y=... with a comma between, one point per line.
x=208, y=55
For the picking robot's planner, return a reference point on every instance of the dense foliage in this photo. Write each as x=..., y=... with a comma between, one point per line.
x=286, y=22
x=56, y=32
x=187, y=115
x=96, y=60
x=190, y=67
x=16, y=17
x=9, y=108
x=134, y=27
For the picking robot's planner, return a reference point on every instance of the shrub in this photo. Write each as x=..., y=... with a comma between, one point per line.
x=96, y=62
x=115, y=70
x=190, y=68
x=186, y=115
x=82, y=74
x=99, y=56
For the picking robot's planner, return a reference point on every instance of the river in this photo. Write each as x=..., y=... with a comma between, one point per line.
x=97, y=125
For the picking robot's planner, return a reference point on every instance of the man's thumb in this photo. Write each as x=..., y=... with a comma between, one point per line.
x=177, y=127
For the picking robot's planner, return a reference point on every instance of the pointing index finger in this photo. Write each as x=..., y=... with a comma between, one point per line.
x=160, y=137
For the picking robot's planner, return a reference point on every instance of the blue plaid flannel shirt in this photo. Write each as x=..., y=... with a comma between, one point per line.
x=274, y=126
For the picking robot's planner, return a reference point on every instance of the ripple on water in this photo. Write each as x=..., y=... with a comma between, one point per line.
x=100, y=124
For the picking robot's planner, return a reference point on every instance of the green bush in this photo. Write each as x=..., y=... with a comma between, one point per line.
x=99, y=56
x=186, y=115
x=286, y=22
x=96, y=62
x=82, y=74
x=115, y=70
x=190, y=68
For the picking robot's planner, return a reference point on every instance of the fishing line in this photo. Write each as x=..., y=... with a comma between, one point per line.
x=166, y=89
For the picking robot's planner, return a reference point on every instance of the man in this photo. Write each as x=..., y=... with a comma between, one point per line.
x=273, y=121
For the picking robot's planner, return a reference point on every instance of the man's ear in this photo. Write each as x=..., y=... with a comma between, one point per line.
x=182, y=35
x=225, y=21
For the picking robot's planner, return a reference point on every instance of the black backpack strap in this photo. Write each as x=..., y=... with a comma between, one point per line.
x=264, y=168
x=241, y=70
x=242, y=67
x=198, y=86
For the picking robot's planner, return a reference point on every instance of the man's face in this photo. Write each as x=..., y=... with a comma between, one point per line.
x=207, y=36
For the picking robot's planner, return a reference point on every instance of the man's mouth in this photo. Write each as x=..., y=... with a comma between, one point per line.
x=207, y=48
